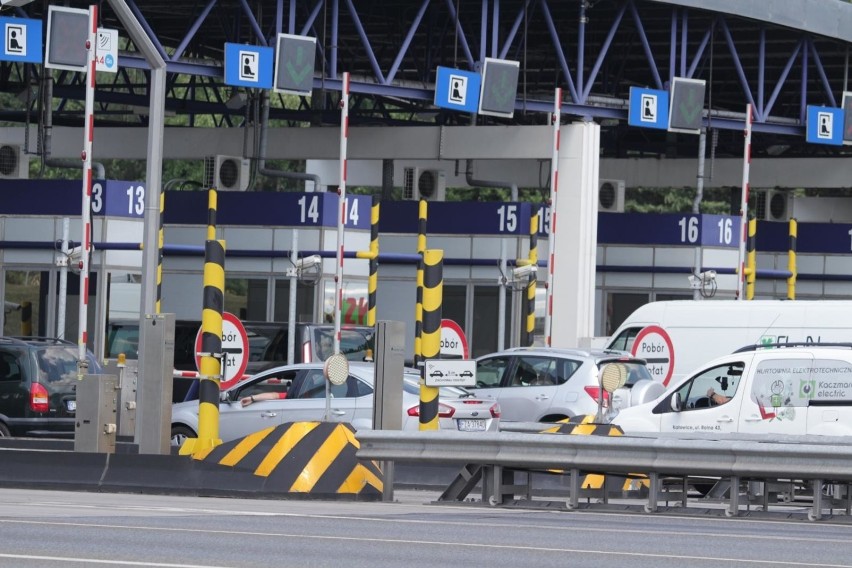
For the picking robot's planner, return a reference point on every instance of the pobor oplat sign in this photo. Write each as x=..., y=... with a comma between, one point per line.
x=234, y=350
x=655, y=346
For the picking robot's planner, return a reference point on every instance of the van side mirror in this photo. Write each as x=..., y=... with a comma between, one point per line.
x=676, y=403
x=224, y=396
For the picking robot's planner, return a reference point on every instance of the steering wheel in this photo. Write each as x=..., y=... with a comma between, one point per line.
x=480, y=384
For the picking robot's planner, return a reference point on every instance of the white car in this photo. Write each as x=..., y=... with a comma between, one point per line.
x=543, y=384
x=302, y=389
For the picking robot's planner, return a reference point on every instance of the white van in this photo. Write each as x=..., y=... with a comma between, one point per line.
x=788, y=390
x=678, y=336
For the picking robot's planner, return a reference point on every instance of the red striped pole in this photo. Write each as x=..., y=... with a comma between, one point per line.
x=341, y=217
x=556, y=118
x=744, y=205
x=86, y=213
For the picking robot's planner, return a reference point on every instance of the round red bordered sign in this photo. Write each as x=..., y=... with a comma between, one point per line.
x=655, y=346
x=453, y=341
x=234, y=347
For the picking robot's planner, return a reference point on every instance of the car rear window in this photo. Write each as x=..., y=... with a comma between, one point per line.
x=636, y=370
x=58, y=364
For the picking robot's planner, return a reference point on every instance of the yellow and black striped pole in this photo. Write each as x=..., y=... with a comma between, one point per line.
x=751, y=259
x=791, y=260
x=530, y=331
x=213, y=303
x=433, y=293
x=160, y=244
x=422, y=212
x=373, y=281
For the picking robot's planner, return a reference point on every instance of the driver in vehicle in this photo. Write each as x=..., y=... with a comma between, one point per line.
x=716, y=397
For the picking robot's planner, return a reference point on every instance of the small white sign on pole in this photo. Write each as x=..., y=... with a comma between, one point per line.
x=450, y=373
x=107, y=51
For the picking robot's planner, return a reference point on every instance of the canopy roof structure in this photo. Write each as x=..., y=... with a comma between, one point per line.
x=778, y=56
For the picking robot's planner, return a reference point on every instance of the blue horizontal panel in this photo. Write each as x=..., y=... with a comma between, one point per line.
x=823, y=238
x=267, y=208
x=62, y=198
x=457, y=218
x=668, y=229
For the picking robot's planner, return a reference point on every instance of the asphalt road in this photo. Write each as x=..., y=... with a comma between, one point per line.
x=63, y=529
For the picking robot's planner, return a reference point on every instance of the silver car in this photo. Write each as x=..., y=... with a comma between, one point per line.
x=539, y=384
x=302, y=389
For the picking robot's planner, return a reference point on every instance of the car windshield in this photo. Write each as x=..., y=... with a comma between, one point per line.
x=354, y=343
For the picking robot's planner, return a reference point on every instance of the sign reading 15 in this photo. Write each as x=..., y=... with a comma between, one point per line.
x=690, y=230
x=507, y=219
x=309, y=209
x=135, y=200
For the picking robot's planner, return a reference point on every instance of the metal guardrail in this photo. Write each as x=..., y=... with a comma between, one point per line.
x=829, y=461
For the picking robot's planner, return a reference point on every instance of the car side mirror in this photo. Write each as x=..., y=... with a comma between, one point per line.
x=676, y=403
x=225, y=396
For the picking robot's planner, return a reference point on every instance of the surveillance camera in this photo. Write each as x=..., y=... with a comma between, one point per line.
x=522, y=272
x=308, y=262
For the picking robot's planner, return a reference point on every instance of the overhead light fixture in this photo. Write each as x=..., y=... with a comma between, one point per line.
x=777, y=149
x=146, y=111
x=237, y=100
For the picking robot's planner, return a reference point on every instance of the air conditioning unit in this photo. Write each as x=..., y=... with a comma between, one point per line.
x=770, y=205
x=14, y=162
x=611, y=195
x=430, y=185
x=226, y=173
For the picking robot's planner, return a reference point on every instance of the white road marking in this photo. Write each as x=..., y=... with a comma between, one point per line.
x=233, y=533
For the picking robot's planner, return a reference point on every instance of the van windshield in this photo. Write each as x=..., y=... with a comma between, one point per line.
x=624, y=340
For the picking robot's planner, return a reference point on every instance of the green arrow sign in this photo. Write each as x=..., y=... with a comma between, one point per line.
x=294, y=64
x=499, y=87
x=687, y=105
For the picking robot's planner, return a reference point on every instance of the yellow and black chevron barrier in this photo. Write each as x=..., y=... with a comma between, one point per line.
x=315, y=459
x=433, y=292
x=584, y=425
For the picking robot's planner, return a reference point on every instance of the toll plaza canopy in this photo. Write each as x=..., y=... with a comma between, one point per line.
x=779, y=56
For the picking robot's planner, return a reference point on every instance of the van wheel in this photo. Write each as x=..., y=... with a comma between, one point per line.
x=180, y=434
x=4, y=431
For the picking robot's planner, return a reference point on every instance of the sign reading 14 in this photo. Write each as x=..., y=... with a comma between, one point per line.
x=309, y=209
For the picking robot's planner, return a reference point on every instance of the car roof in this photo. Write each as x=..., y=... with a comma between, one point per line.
x=564, y=352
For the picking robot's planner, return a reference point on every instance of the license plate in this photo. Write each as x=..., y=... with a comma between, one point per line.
x=470, y=425
x=71, y=405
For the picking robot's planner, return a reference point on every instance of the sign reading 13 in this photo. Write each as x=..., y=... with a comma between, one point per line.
x=108, y=199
